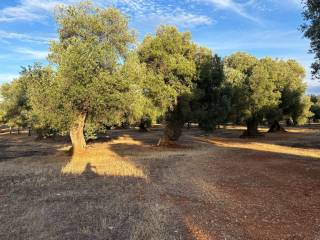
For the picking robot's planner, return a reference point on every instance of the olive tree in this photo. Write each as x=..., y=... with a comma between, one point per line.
x=14, y=104
x=170, y=54
x=88, y=85
x=254, y=89
x=211, y=101
x=289, y=79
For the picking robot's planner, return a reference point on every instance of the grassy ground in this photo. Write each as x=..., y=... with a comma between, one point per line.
x=214, y=186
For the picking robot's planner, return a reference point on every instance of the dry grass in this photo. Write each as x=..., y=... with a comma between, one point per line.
x=102, y=161
x=215, y=187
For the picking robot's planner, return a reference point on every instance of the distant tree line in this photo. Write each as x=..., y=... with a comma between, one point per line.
x=98, y=77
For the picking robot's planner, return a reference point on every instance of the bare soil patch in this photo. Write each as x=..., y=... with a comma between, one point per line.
x=212, y=186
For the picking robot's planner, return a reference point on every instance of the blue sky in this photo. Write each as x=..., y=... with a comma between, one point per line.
x=260, y=27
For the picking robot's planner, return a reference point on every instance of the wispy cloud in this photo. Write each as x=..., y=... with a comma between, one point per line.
x=30, y=10
x=37, y=10
x=5, y=35
x=297, y=3
x=178, y=17
x=155, y=13
x=20, y=12
x=232, y=5
x=184, y=19
x=32, y=54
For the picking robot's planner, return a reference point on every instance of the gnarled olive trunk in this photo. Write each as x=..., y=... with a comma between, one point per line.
x=276, y=127
x=175, y=121
x=76, y=134
x=143, y=128
x=252, y=128
x=145, y=124
x=172, y=133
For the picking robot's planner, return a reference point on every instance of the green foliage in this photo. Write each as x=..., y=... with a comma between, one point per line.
x=302, y=112
x=253, y=83
x=14, y=105
x=211, y=101
x=315, y=99
x=144, y=92
x=91, y=43
x=290, y=84
x=170, y=55
x=267, y=88
x=43, y=95
x=311, y=30
x=315, y=107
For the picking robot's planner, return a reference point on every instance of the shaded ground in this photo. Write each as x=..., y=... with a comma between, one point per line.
x=212, y=187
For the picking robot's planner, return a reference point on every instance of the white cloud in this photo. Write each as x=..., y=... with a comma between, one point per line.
x=32, y=54
x=30, y=10
x=153, y=12
x=10, y=14
x=313, y=87
x=7, y=77
x=186, y=19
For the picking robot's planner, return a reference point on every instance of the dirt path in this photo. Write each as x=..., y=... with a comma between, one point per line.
x=213, y=187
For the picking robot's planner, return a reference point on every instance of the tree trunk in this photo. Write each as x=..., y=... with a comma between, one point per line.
x=18, y=131
x=175, y=122
x=172, y=133
x=10, y=130
x=29, y=131
x=76, y=134
x=144, y=125
x=40, y=133
x=252, y=128
x=276, y=127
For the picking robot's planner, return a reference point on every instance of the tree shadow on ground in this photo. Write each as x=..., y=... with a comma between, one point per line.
x=21, y=146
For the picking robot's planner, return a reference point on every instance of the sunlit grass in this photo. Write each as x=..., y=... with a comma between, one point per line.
x=101, y=160
x=263, y=147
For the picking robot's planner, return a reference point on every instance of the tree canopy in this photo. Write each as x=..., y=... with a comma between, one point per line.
x=91, y=84
x=170, y=54
x=211, y=103
x=311, y=30
x=15, y=108
x=98, y=76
